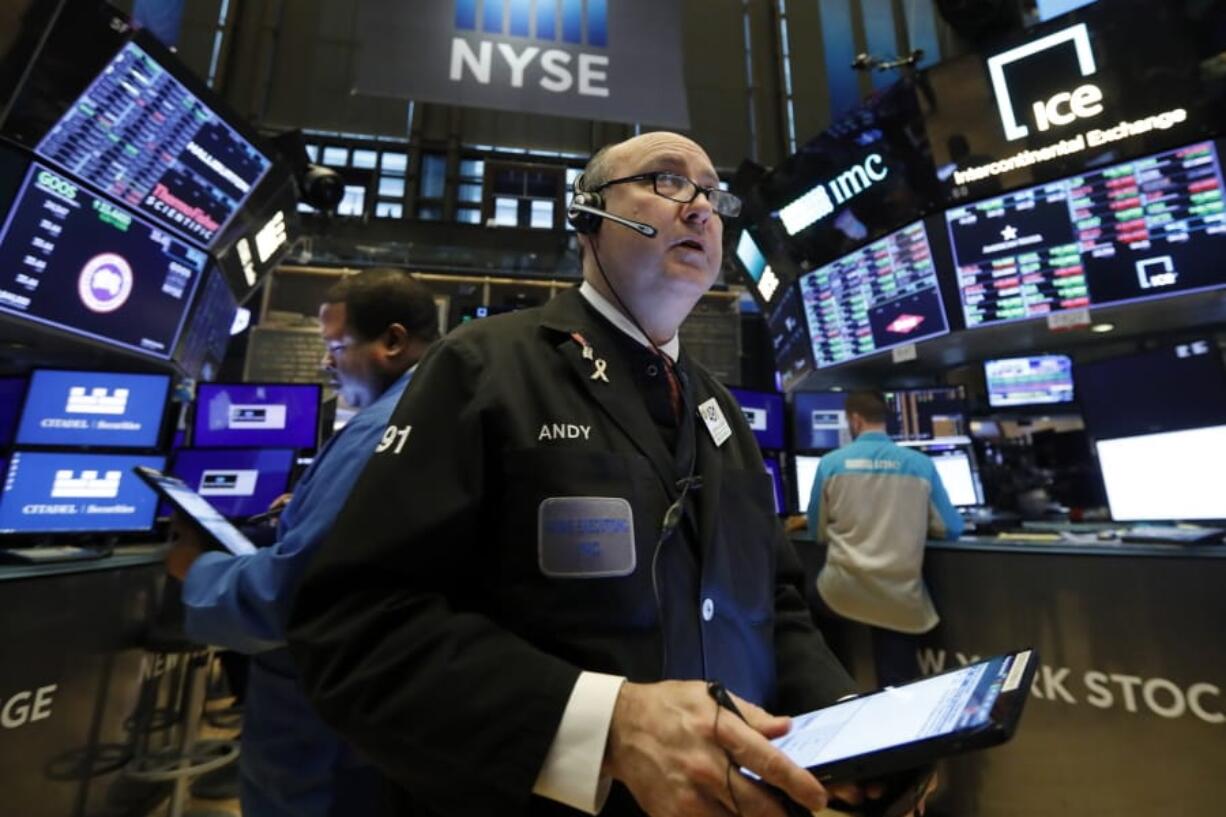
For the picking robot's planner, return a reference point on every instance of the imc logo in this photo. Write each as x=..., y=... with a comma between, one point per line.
x=87, y=486
x=822, y=200
x=565, y=29
x=1064, y=107
x=96, y=401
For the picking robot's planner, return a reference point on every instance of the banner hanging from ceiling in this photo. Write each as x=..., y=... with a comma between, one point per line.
x=610, y=60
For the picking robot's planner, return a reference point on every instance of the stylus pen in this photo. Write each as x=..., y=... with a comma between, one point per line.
x=261, y=517
x=720, y=693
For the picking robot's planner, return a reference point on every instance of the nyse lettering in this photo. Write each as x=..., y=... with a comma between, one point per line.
x=588, y=76
x=27, y=706
x=1134, y=694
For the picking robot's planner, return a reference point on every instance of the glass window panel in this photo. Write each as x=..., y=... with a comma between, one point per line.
x=470, y=193
x=391, y=187
x=542, y=214
x=365, y=159
x=389, y=209
x=472, y=168
x=337, y=157
x=430, y=212
x=506, y=212
x=468, y=215
x=433, y=175
x=395, y=162
x=354, y=201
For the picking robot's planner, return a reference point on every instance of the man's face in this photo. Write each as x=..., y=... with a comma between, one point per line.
x=351, y=363
x=684, y=258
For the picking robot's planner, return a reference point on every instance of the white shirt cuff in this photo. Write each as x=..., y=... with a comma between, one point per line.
x=571, y=771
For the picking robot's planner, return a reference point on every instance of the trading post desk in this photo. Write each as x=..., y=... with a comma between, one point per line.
x=1128, y=711
x=72, y=660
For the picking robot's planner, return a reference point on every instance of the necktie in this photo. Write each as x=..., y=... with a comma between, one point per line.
x=674, y=386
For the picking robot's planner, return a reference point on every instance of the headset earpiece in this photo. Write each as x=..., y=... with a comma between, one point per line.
x=585, y=223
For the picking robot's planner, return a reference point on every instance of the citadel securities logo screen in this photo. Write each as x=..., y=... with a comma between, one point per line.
x=112, y=409
x=580, y=58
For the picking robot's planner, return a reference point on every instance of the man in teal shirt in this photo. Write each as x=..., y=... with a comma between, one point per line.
x=375, y=325
x=874, y=505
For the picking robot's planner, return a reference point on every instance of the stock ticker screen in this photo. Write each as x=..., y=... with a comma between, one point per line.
x=883, y=295
x=75, y=261
x=139, y=135
x=1133, y=231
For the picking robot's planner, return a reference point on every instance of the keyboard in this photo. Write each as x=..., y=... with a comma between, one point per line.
x=1170, y=535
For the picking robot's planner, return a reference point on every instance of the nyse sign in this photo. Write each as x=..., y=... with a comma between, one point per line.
x=582, y=58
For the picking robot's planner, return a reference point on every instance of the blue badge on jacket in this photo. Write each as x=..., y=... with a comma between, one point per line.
x=585, y=537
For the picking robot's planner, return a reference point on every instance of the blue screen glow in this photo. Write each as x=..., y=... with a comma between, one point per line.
x=764, y=413
x=253, y=415
x=82, y=493
x=113, y=409
x=237, y=482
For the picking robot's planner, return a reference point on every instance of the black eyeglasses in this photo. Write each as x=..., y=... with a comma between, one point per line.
x=684, y=190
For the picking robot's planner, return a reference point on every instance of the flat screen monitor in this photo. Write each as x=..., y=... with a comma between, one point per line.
x=82, y=264
x=776, y=473
x=206, y=337
x=139, y=134
x=957, y=475
x=74, y=492
x=1166, y=389
x=1135, y=231
x=881, y=296
x=1029, y=381
x=926, y=414
x=764, y=413
x=93, y=409
x=237, y=482
x=806, y=475
x=789, y=335
x=819, y=422
x=1176, y=475
x=12, y=391
x=256, y=415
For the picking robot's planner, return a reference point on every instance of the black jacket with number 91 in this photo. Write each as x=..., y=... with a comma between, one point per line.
x=444, y=621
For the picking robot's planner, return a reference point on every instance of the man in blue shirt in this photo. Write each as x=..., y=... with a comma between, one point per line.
x=375, y=325
x=874, y=505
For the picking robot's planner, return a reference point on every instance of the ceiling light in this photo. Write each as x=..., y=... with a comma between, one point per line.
x=1100, y=328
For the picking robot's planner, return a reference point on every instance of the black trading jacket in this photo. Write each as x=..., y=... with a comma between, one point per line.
x=425, y=628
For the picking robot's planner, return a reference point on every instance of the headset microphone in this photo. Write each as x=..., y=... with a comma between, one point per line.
x=638, y=226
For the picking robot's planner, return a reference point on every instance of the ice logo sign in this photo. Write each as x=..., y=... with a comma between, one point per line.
x=1060, y=109
x=96, y=401
x=87, y=486
x=105, y=283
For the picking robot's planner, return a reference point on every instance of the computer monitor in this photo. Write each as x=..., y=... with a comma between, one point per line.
x=819, y=422
x=77, y=493
x=206, y=336
x=881, y=296
x=12, y=391
x=140, y=134
x=806, y=474
x=776, y=472
x=256, y=415
x=237, y=482
x=93, y=409
x=1170, y=476
x=957, y=474
x=764, y=413
x=1170, y=388
x=77, y=262
x=926, y=414
x=1029, y=381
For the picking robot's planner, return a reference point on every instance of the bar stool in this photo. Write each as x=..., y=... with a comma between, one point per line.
x=179, y=755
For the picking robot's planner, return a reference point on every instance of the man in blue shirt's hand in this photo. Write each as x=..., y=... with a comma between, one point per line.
x=874, y=505
x=376, y=325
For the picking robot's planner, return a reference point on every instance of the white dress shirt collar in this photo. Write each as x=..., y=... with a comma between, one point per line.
x=618, y=318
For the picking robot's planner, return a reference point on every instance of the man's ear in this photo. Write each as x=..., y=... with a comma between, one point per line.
x=395, y=339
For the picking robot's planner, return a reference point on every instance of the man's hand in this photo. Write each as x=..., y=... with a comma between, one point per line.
x=186, y=545
x=665, y=747
x=856, y=794
x=279, y=503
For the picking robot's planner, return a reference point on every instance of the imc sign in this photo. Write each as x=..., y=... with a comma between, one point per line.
x=590, y=59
